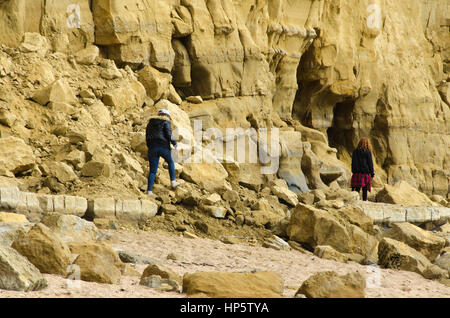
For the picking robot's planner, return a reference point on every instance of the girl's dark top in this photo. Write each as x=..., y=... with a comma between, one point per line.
x=362, y=162
x=159, y=133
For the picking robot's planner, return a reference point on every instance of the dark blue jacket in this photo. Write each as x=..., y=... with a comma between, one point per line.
x=362, y=162
x=159, y=133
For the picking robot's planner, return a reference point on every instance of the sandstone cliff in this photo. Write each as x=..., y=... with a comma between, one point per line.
x=79, y=78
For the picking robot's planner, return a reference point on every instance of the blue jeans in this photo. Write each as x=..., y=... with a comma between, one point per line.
x=153, y=157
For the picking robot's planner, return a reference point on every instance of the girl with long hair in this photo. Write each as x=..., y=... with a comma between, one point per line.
x=362, y=168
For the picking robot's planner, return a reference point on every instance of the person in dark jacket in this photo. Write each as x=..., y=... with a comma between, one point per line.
x=362, y=168
x=159, y=137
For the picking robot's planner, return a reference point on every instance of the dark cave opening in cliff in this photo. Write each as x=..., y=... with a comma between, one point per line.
x=340, y=134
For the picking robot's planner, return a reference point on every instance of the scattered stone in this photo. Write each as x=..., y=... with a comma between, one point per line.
x=276, y=243
x=161, y=284
x=70, y=228
x=286, y=195
x=423, y=241
x=16, y=156
x=331, y=285
x=88, y=55
x=98, y=262
x=404, y=194
x=327, y=252
x=17, y=273
x=44, y=250
x=195, y=99
x=316, y=227
x=174, y=257
x=189, y=235
x=218, y=212
x=57, y=92
x=162, y=271
x=234, y=285
x=398, y=255
x=127, y=257
x=34, y=42
x=155, y=82
x=12, y=217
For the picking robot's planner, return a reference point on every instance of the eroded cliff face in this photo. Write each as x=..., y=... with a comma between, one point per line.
x=326, y=72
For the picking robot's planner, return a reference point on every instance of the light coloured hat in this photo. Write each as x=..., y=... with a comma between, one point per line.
x=163, y=112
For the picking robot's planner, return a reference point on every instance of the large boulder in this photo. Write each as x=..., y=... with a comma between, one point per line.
x=162, y=271
x=281, y=190
x=398, y=255
x=318, y=227
x=356, y=216
x=404, y=194
x=88, y=55
x=57, y=92
x=129, y=95
x=70, y=228
x=44, y=249
x=208, y=176
x=98, y=262
x=10, y=231
x=332, y=285
x=34, y=42
x=156, y=83
x=17, y=273
x=15, y=155
x=234, y=285
x=423, y=241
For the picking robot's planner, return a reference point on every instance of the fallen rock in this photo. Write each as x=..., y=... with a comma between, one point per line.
x=10, y=231
x=98, y=262
x=34, y=42
x=327, y=252
x=331, y=285
x=356, y=216
x=97, y=169
x=161, y=284
x=404, y=194
x=62, y=171
x=57, y=92
x=12, y=217
x=195, y=99
x=88, y=55
x=15, y=155
x=276, y=243
x=162, y=271
x=70, y=228
x=218, y=212
x=127, y=257
x=423, y=241
x=208, y=176
x=316, y=227
x=284, y=194
x=398, y=255
x=44, y=250
x=17, y=273
x=156, y=84
x=234, y=285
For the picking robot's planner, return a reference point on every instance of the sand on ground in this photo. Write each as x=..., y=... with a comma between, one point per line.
x=200, y=254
